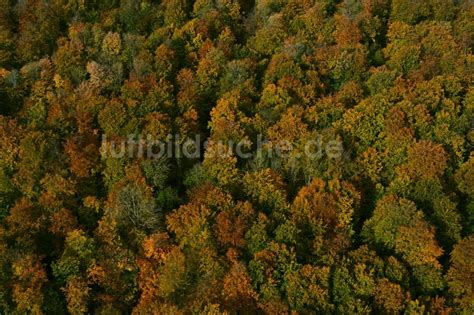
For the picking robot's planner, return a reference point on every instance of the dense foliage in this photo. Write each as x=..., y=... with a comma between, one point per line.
x=387, y=228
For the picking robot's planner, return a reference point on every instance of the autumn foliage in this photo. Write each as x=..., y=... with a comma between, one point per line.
x=386, y=227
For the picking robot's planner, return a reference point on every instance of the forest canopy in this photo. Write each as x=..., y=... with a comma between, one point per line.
x=319, y=157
